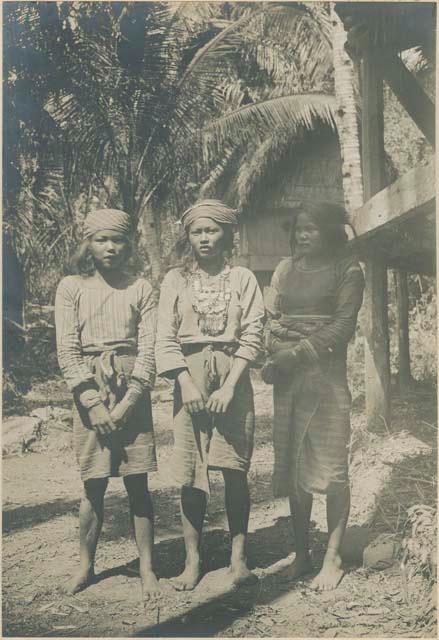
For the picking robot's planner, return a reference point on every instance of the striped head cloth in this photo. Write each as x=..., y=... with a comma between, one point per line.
x=214, y=209
x=109, y=219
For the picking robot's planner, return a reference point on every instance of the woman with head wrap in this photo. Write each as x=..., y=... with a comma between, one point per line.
x=313, y=305
x=209, y=333
x=105, y=326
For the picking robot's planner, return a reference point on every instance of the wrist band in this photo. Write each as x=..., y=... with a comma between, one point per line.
x=133, y=393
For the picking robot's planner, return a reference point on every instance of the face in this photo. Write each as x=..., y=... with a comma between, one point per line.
x=109, y=249
x=206, y=238
x=308, y=237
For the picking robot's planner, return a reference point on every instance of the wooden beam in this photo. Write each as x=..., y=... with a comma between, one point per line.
x=413, y=194
x=375, y=320
x=410, y=94
x=372, y=126
x=402, y=305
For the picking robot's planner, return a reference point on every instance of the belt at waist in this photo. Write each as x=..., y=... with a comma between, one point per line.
x=287, y=318
x=195, y=347
x=118, y=349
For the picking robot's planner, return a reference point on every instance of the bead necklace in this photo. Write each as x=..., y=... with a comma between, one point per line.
x=211, y=301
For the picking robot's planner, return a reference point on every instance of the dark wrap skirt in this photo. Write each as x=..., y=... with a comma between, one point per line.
x=311, y=421
x=203, y=441
x=127, y=451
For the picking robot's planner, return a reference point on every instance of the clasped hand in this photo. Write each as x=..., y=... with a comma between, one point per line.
x=218, y=401
x=285, y=361
x=105, y=422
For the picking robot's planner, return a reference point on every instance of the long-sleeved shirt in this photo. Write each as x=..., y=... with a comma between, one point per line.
x=335, y=291
x=178, y=321
x=92, y=316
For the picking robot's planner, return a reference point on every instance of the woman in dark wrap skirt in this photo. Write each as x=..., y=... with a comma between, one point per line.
x=313, y=303
x=105, y=326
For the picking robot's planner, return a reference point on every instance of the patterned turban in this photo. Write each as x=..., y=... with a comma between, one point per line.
x=109, y=219
x=214, y=209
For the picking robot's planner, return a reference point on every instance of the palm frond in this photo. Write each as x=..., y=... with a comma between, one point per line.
x=288, y=113
x=288, y=41
x=208, y=188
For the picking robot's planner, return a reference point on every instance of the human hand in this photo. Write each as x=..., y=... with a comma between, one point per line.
x=121, y=411
x=285, y=360
x=268, y=372
x=101, y=420
x=191, y=396
x=220, y=399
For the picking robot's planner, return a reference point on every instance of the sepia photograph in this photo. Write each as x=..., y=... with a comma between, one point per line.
x=219, y=400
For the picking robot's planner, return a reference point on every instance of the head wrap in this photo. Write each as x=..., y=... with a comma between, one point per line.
x=214, y=209
x=110, y=219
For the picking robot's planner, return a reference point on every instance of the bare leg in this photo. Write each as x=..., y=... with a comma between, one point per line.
x=91, y=517
x=142, y=515
x=237, y=497
x=300, y=508
x=337, y=509
x=193, y=509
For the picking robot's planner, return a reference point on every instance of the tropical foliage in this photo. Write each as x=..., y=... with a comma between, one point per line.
x=137, y=105
x=146, y=106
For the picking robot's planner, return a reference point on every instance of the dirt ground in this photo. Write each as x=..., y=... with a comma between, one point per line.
x=41, y=491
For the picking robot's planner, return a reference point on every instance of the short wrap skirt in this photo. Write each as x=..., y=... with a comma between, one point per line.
x=128, y=451
x=203, y=441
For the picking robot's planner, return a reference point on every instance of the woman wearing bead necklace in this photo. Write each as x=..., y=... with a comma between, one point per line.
x=209, y=332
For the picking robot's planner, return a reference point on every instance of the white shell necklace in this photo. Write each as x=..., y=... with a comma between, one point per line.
x=211, y=300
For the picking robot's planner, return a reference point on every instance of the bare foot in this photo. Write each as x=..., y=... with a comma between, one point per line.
x=241, y=574
x=80, y=581
x=330, y=574
x=189, y=579
x=300, y=566
x=151, y=589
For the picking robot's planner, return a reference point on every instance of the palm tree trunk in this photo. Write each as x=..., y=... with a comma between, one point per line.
x=345, y=81
x=150, y=239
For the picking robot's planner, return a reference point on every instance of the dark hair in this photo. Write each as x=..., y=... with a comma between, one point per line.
x=82, y=263
x=185, y=255
x=331, y=220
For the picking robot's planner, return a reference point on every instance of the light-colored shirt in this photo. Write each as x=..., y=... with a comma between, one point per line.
x=178, y=321
x=91, y=315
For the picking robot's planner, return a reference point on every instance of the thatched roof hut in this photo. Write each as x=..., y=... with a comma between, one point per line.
x=311, y=171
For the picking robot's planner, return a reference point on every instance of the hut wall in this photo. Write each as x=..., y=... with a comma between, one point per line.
x=315, y=174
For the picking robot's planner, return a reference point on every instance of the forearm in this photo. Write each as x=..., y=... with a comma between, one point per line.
x=337, y=334
x=88, y=394
x=181, y=375
x=73, y=366
x=237, y=369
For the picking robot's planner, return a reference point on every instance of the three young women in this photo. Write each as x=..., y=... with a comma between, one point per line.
x=313, y=304
x=105, y=326
x=209, y=333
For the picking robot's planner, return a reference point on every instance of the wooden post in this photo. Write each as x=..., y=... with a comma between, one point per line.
x=402, y=302
x=410, y=94
x=375, y=320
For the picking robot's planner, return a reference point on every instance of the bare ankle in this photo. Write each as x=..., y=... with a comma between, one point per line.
x=238, y=563
x=146, y=567
x=86, y=568
x=332, y=553
x=193, y=560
